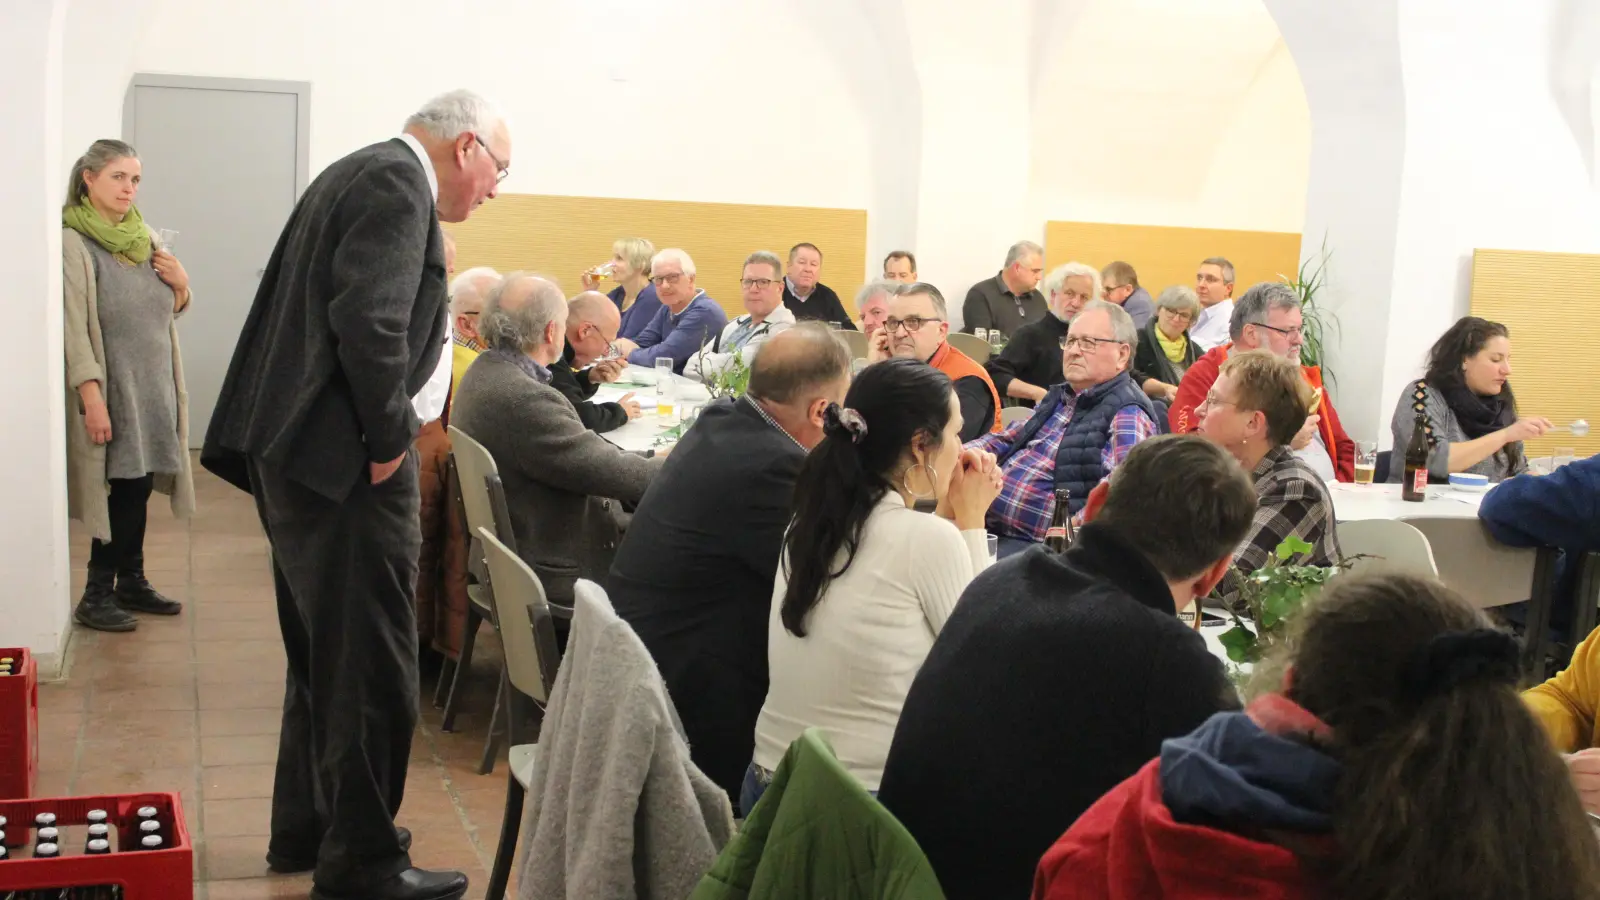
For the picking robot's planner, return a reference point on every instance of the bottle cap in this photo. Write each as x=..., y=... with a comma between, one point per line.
x=99, y=845
x=4, y=852
x=97, y=830
x=44, y=851
x=2, y=821
x=45, y=818
x=48, y=835
x=148, y=812
x=150, y=826
x=8, y=659
x=96, y=816
x=151, y=841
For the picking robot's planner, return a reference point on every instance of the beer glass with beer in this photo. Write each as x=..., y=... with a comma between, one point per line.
x=1366, y=461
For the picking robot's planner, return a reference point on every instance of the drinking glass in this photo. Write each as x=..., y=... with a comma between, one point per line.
x=857, y=366
x=1564, y=455
x=981, y=334
x=994, y=548
x=602, y=272
x=688, y=414
x=165, y=237
x=666, y=387
x=997, y=340
x=1366, y=461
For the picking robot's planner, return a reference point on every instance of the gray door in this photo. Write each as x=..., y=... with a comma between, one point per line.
x=224, y=161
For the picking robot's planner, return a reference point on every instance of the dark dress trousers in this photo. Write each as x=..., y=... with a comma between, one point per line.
x=347, y=325
x=694, y=576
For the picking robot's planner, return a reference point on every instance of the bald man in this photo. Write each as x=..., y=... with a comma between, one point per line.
x=588, y=362
x=694, y=573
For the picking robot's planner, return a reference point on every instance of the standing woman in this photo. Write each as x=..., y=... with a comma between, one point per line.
x=634, y=295
x=127, y=410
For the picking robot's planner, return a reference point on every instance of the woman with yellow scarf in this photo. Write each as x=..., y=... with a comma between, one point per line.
x=127, y=409
x=1164, y=351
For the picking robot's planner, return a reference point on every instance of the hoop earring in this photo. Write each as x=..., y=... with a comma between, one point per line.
x=933, y=479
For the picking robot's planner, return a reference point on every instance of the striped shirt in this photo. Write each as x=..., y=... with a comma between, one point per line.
x=1027, y=498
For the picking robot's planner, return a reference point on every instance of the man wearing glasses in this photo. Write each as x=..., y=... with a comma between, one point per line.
x=1268, y=317
x=1078, y=433
x=916, y=329
x=688, y=318
x=765, y=316
x=1213, y=285
x=589, y=360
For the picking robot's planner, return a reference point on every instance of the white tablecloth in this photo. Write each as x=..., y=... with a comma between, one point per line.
x=1359, y=502
x=643, y=432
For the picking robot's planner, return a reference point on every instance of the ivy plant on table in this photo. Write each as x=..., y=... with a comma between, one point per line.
x=1272, y=596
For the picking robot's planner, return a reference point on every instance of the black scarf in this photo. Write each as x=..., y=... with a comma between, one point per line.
x=1477, y=415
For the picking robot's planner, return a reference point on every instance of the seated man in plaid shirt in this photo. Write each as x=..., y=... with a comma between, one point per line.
x=1078, y=433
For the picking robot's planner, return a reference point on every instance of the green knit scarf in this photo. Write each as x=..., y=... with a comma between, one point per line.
x=128, y=240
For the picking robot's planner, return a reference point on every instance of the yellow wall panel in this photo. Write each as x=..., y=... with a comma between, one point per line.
x=1552, y=376
x=1164, y=256
x=563, y=236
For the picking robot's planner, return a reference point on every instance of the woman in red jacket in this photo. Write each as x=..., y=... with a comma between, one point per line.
x=1398, y=763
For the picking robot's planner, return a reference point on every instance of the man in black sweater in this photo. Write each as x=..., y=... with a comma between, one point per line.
x=807, y=297
x=1058, y=676
x=694, y=575
x=592, y=323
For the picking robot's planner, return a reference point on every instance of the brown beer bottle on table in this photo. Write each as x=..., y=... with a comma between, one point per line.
x=1414, y=486
x=1058, y=537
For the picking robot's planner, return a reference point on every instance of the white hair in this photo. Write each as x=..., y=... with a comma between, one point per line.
x=673, y=254
x=1057, y=279
x=472, y=285
x=872, y=289
x=450, y=115
x=521, y=327
x=1123, y=330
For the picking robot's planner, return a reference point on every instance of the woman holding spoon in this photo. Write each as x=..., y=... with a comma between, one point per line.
x=127, y=409
x=1471, y=413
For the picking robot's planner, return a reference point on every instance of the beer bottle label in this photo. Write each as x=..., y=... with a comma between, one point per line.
x=1419, y=480
x=1056, y=531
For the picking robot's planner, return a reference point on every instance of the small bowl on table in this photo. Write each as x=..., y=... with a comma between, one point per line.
x=1468, y=482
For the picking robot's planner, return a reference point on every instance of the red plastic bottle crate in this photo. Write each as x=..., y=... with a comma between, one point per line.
x=19, y=724
x=165, y=874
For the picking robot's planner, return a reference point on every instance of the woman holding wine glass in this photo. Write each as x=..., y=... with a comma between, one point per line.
x=1466, y=400
x=127, y=408
x=634, y=295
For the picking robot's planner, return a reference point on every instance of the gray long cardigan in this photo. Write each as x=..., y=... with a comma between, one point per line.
x=87, y=485
x=1446, y=431
x=563, y=482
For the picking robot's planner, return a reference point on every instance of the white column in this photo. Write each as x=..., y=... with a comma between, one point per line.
x=33, y=526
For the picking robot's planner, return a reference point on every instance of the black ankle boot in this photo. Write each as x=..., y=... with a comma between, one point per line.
x=98, y=608
x=135, y=594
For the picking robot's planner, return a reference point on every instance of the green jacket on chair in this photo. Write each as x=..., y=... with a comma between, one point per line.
x=818, y=833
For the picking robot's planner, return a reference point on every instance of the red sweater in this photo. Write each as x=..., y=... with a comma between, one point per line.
x=1203, y=374
x=1127, y=847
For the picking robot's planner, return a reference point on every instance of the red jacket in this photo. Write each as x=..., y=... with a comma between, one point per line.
x=1197, y=383
x=1127, y=847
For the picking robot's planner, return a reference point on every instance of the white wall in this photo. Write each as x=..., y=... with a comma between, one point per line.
x=33, y=527
x=1159, y=112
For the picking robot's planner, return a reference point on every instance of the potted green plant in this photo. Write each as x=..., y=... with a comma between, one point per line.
x=1271, y=596
x=1321, y=323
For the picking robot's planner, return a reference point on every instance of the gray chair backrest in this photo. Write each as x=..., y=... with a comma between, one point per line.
x=1013, y=414
x=1393, y=547
x=971, y=346
x=1483, y=570
x=526, y=628
x=856, y=342
x=473, y=465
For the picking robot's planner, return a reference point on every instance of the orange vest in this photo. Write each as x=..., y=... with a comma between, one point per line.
x=956, y=364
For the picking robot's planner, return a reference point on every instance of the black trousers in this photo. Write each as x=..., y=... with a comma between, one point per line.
x=129, y=508
x=345, y=576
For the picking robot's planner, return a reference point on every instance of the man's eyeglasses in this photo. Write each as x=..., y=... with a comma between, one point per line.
x=1299, y=332
x=912, y=324
x=1085, y=344
x=501, y=169
x=759, y=284
x=665, y=280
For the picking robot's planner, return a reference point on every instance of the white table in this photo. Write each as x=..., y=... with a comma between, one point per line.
x=643, y=432
x=1361, y=502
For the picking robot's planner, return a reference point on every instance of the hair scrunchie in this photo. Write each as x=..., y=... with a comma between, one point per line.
x=839, y=420
x=1458, y=658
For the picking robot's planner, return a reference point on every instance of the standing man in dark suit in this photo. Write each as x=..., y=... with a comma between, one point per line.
x=315, y=420
x=694, y=574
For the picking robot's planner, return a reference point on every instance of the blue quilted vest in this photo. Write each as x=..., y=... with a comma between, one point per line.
x=1078, y=465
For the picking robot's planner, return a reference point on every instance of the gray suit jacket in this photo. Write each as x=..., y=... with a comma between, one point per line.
x=346, y=327
x=565, y=485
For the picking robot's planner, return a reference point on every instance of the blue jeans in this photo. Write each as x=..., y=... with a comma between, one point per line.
x=755, y=784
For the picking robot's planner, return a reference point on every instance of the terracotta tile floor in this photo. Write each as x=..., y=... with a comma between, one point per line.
x=191, y=704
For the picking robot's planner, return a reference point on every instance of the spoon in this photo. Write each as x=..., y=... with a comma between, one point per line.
x=1579, y=428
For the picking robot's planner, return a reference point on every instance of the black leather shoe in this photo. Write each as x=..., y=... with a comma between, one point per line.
x=412, y=884
x=290, y=864
x=98, y=608
x=135, y=594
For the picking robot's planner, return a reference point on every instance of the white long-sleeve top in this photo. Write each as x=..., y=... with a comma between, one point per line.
x=1210, y=328
x=738, y=337
x=867, y=638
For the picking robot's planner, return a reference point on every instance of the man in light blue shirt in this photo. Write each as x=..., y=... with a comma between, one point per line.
x=687, y=318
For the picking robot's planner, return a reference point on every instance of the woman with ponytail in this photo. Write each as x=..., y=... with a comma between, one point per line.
x=1397, y=763
x=127, y=409
x=866, y=579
